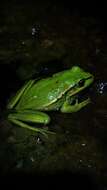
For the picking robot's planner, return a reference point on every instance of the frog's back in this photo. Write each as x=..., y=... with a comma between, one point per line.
x=47, y=91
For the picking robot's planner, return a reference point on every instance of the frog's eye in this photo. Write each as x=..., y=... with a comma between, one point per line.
x=81, y=83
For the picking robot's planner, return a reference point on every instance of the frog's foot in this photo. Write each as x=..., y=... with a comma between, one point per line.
x=23, y=118
x=74, y=106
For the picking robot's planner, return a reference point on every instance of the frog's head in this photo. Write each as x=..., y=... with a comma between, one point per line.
x=81, y=80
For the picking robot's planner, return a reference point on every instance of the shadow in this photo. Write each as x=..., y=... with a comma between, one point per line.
x=53, y=180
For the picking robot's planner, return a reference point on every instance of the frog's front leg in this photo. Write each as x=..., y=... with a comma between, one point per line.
x=74, y=105
x=23, y=118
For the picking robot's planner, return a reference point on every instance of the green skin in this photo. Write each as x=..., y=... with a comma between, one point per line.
x=54, y=93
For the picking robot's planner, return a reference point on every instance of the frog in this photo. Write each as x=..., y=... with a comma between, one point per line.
x=33, y=101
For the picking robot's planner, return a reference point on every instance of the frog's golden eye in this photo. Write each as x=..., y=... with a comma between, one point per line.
x=81, y=83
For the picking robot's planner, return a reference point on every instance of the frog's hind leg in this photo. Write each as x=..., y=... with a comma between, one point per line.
x=18, y=95
x=23, y=118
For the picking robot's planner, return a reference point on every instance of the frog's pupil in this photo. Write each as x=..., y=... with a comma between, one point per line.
x=81, y=83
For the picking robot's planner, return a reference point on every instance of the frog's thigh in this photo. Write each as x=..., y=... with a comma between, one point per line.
x=30, y=116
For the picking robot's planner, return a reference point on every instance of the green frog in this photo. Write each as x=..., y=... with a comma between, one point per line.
x=57, y=93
